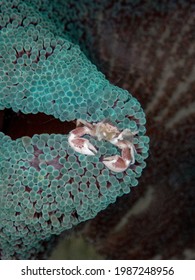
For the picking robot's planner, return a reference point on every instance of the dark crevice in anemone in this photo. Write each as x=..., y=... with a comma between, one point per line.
x=17, y=125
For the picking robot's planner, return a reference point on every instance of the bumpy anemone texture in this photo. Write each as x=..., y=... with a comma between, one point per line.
x=45, y=186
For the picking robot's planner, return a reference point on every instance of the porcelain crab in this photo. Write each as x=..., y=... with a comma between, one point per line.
x=104, y=130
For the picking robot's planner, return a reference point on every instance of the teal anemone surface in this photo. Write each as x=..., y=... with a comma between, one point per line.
x=45, y=186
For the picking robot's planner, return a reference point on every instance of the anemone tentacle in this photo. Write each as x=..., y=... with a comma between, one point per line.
x=46, y=187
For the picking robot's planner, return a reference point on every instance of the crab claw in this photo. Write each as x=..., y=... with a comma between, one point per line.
x=116, y=163
x=121, y=163
x=81, y=145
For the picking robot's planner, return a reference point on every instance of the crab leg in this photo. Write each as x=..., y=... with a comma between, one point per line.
x=81, y=145
x=80, y=122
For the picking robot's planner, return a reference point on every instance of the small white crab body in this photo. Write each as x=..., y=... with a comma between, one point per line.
x=105, y=131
